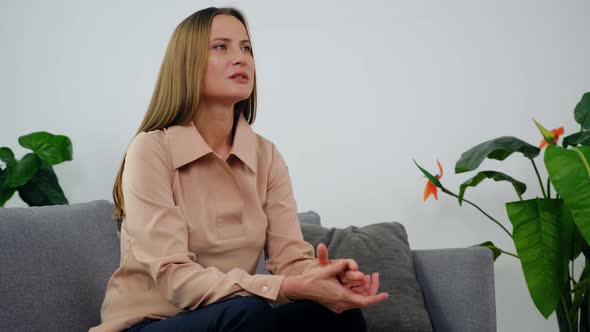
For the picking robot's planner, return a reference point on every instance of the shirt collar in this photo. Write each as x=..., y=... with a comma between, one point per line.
x=187, y=144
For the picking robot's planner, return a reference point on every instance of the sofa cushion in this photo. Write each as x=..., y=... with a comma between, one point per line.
x=383, y=248
x=56, y=262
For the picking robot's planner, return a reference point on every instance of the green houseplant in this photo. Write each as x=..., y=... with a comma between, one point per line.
x=33, y=176
x=549, y=232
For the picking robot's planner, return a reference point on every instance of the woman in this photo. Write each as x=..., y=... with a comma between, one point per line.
x=201, y=195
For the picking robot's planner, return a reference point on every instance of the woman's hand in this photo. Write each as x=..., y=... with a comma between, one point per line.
x=320, y=283
x=352, y=278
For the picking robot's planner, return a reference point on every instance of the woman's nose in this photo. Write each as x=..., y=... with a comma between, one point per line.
x=238, y=62
x=239, y=58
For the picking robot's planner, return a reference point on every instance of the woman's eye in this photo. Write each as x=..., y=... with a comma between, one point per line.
x=223, y=47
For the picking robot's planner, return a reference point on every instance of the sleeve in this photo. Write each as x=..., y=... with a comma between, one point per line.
x=287, y=252
x=159, y=236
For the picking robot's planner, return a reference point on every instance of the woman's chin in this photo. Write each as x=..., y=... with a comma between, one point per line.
x=238, y=96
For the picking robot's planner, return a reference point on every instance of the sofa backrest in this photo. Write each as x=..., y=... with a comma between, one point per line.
x=56, y=262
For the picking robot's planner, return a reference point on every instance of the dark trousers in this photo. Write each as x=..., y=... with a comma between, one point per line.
x=254, y=314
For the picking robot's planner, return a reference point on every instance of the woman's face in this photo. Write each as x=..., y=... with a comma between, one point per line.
x=229, y=57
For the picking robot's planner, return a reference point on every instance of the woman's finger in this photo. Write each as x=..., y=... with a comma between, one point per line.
x=333, y=270
x=355, y=275
x=322, y=253
x=351, y=264
x=374, y=283
x=365, y=300
x=356, y=283
x=361, y=290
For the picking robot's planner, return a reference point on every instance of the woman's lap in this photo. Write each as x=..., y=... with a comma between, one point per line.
x=254, y=314
x=310, y=316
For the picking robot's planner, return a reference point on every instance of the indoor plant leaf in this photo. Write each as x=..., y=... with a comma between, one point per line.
x=577, y=243
x=569, y=171
x=582, y=111
x=430, y=177
x=43, y=188
x=7, y=156
x=490, y=245
x=23, y=170
x=6, y=191
x=537, y=240
x=548, y=135
x=579, y=138
x=54, y=149
x=499, y=148
x=496, y=176
x=567, y=230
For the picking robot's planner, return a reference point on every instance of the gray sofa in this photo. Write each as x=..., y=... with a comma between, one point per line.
x=56, y=261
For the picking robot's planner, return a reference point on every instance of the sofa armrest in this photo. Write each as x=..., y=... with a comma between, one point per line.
x=458, y=288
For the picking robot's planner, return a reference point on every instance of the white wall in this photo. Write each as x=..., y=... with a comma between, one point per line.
x=349, y=93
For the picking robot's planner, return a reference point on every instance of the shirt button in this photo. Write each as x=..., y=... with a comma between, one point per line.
x=265, y=289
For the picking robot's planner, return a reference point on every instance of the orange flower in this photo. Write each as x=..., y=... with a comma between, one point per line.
x=431, y=188
x=557, y=132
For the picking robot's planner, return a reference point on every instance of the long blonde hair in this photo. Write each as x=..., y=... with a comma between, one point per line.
x=176, y=97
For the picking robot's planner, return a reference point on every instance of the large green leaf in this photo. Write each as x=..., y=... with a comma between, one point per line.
x=538, y=240
x=6, y=192
x=577, y=244
x=498, y=148
x=7, y=156
x=496, y=176
x=23, y=170
x=54, y=149
x=569, y=171
x=43, y=189
x=568, y=231
x=582, y=111
x=579, y=138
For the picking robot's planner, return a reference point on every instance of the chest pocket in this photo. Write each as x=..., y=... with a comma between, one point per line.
x=229, y=223
x=229, y=209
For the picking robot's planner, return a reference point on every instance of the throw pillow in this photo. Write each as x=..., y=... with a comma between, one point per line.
x=383, y=248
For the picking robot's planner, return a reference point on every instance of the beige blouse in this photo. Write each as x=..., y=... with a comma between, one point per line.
x=196, y=224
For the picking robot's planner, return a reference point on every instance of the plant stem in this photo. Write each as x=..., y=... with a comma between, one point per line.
x=564, y=313
x=584, y=307
x=446, y=191
x=566, y=298
x=539, y=177
x=584, y=314
x=548, y=188
x=562, y=317
x=508, y=253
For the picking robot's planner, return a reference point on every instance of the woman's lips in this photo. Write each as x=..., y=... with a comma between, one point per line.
x=239, y=79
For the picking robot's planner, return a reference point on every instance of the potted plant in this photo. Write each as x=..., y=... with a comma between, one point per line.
x=549, y=232
x=33, y=176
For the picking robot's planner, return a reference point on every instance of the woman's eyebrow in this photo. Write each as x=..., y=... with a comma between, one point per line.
x=229, y=40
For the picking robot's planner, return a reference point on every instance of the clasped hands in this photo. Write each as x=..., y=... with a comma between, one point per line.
x=351, y=277
x=337, y=284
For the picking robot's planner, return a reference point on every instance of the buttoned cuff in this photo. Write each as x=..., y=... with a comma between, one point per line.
x=268, y=287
